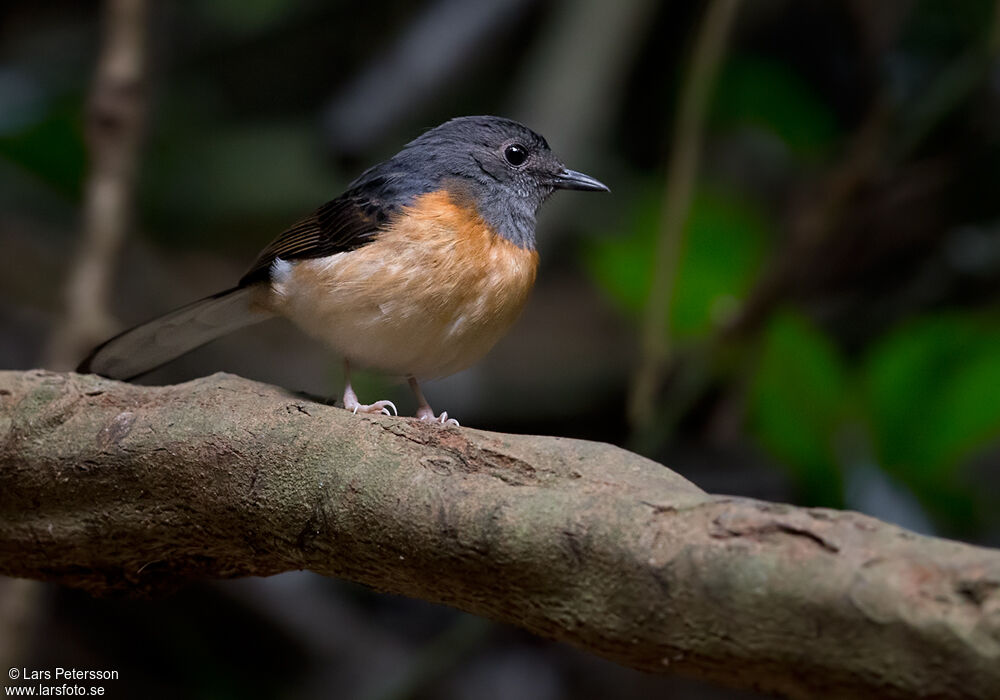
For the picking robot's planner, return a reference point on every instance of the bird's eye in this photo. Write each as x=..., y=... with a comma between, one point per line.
x=515, y=154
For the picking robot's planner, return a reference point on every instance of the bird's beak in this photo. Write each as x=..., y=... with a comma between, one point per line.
x=567, y=179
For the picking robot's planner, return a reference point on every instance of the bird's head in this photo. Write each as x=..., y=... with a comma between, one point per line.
x=504, y=168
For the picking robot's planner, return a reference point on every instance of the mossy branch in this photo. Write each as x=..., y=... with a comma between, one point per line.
x=115, y=487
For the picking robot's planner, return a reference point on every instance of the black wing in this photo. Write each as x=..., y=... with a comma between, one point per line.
x=338, y=226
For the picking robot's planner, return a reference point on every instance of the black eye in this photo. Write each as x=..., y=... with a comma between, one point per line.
x=515, y=154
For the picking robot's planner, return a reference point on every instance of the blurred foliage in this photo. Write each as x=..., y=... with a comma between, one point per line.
x=47, y=143
x=932, y=398
x=245, y=15
x=923, y=391
x=798, y=399
x=261, y=176
x=765, y=94
x=726, y=239
x=926, y=393
x=946, y=28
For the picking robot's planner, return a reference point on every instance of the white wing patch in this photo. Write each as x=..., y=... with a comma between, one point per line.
x=281, y=270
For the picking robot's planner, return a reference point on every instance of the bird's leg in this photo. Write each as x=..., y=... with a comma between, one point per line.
x=352, y=404
x=424, y=410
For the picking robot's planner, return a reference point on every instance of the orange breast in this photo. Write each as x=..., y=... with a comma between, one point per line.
x=429, y=297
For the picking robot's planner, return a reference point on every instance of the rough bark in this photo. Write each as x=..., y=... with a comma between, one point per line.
x=114, y=487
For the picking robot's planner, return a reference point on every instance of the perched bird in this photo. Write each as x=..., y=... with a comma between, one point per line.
x=416, y=270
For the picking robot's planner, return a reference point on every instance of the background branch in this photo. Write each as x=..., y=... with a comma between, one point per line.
x=682, y=174
x=115, y=123
x=110, y=486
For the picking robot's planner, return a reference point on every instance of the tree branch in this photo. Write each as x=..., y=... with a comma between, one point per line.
x=109, y=486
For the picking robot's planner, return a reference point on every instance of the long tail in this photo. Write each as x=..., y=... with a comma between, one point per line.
x=154, y=343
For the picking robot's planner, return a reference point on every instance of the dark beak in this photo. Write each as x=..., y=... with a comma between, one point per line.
x=567, y=179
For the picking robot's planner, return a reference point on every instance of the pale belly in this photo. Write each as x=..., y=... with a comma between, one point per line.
x=428, y=308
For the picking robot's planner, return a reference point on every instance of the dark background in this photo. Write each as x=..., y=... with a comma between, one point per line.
x=834, y=334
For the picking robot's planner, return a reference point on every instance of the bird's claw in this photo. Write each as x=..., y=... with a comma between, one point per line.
x=377, y=407
x=443, y=419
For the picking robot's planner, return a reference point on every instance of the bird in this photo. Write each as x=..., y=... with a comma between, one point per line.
x=416, y=270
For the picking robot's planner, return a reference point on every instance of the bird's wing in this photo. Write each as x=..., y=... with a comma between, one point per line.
x=338, y=226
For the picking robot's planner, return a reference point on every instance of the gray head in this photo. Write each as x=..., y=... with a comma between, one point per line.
x=501, y=167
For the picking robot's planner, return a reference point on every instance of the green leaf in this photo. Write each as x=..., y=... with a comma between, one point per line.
x=725, y=246
x=932, y=387
x=725, y=241
x=797, y=402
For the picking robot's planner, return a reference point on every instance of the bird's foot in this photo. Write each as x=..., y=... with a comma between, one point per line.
x=427, y=413
x=354, y=406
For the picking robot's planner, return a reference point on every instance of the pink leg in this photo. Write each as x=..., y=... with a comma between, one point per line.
x=424, y=410
x=352, y=404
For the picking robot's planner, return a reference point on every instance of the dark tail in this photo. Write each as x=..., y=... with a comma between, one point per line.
x=154, y=343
